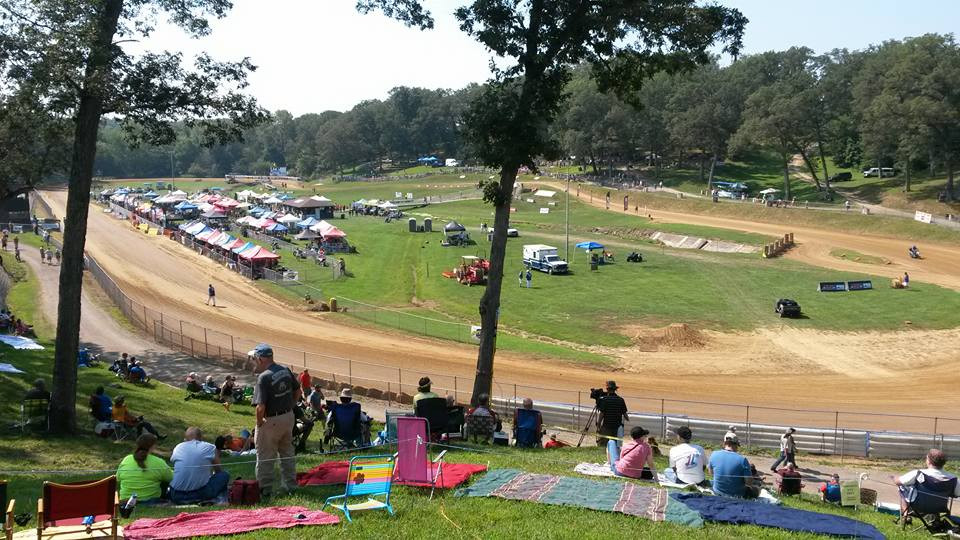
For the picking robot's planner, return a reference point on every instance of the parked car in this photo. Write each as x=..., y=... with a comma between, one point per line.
x=842, y=177
x=510, y=232
x=879, y=172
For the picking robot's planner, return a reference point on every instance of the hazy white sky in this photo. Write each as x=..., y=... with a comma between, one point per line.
x=317, y=55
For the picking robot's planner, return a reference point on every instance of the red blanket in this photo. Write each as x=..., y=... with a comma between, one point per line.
x=335, y=472
x=185, y=525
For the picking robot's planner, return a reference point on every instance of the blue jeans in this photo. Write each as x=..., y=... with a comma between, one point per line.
x=216, y=486
x=784, y=457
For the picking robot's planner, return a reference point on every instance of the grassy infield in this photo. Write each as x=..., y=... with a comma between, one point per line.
x=445, y=516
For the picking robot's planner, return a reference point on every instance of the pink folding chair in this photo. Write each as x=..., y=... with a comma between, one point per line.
x=413, y=458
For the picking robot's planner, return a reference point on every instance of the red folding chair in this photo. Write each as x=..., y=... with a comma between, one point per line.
x=65, y=505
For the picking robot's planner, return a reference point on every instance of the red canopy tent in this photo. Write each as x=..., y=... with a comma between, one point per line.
x=259, y=255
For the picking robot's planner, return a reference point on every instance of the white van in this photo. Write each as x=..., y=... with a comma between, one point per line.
x=877, y=171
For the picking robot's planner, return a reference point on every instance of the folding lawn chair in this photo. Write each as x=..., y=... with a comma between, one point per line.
x=527, y=428
x=932, y=504
x=344, y=426
x=413, y=456
x=456, y=418
x=34, y=414
x=481, y=427
x=368, y=475
x=391, y=423
x=8, y=516
x=788, y=484
x=435, y=412
x=69, y=504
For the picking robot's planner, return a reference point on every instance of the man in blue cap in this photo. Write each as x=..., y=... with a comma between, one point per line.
x=275, y=394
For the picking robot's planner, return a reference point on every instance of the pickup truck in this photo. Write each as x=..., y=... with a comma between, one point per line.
x=543, y=258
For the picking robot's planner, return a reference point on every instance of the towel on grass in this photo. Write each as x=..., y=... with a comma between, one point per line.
x=334, y=473
x=623, y=497
x=186, y=525
x=742, y=511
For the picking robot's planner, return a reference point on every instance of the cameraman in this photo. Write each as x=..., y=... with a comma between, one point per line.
x=611, y=414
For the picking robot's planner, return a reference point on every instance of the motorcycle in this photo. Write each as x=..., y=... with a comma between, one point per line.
x=914, y=253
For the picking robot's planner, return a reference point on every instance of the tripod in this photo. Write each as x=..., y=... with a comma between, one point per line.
x=586, y=426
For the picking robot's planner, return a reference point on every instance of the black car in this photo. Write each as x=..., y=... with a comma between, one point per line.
x=842, y=177
x=787, y=308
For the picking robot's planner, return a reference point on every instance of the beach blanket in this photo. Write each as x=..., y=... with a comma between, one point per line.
x=21, y=343
x=333, y=473
x=624, y=497
x=9, y=368
x=742, y=511
x=186, y=525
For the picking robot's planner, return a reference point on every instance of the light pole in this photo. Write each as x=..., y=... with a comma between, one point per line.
x=171, y=170
x=566, y=223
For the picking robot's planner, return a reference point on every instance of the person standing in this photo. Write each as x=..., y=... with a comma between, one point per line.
x=275, y=394
x=906, y=280
x=16, y=242
x=43, y=255
x=529, y=277
x=211, y=295
x=305, y=380
x=611, y=413
x=520, y=279
x=788, y=450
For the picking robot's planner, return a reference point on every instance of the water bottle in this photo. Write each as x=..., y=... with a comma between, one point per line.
x=128, y=507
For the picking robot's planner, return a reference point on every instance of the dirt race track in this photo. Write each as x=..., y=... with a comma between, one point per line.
x=910, y=372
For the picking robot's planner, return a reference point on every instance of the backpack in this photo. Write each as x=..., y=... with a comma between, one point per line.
x=244, y=492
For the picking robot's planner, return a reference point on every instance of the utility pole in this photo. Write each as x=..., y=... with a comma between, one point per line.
x=566, y=223
x=172, y=177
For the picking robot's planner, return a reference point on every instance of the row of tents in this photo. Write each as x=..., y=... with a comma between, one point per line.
x=243, y=249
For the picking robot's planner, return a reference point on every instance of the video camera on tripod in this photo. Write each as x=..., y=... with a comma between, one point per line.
x=596, y=394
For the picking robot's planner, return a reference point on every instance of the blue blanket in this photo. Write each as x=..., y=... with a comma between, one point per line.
x=741, y=511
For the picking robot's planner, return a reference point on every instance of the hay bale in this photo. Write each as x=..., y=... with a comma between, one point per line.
x=360, y=390
x=405, y=399
x=389, y=396
x=374, y=393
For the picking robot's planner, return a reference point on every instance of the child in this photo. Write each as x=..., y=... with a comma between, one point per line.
x=830, y=491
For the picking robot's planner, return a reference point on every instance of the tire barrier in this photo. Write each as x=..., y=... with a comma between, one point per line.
x=778, y=246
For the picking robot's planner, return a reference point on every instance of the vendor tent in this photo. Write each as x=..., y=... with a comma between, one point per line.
x=273, y=200
x=769, y=191
x=287, y=219
x=258, y=254
x=309, y=222
x=205, y=235
x=244, y=247
x=237, y=242
x=453, y=226
x=276, y=227
x=388, y=206
x=333, y=232
x=197, y=228
x=214, y=214
x=185, y=206
x=307, y=234
x=589, y=245
x=226, y=240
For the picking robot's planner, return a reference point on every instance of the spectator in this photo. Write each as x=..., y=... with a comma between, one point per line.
x=790, y=480
x=347, y=411
x=730, y=470
x=83, y=357
x=731, y=433
x=528, y=405
x=483, y=409
x=788, y=450
x=193, y=384
x=38, y=391
x=136, y=373
x=235, y=443
x=121, y=366
x=935, y=462
x=210, y=385
x=275, y=394
x=635, y=460
x=688, y=460
x=302, y=427
x=226, y=391
x=123, y=415
x=196, y=471
x=144, y=473
x=423, y=390
x=315, y=400
x=451, y=401
x=554, y=442
x=613, y=413
x=100, y=405
x=830, y=491
x=305, y=380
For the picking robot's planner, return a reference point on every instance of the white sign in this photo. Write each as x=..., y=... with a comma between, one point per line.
x=923, y=216
x=545, y=193
x=475, y=332
x=397, y=194
x=530, y=201
x=544, y=210
x=291, y=275
x=409, y=195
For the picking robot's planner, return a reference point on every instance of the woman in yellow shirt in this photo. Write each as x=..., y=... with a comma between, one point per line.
x=123, y=416
x=143, y=473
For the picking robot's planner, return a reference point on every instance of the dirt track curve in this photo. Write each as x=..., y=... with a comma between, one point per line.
x=747, y=369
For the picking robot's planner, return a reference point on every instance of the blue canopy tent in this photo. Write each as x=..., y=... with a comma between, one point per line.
x=151, y=194
x=244, y=247
x=588, y=246
x=307, y=223
x=185, y=205
x=276, y=227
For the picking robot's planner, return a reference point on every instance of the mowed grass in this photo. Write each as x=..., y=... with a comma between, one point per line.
x=402, y=270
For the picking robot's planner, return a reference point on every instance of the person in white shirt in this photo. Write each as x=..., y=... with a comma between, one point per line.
x=688, y=460
x=936, y=460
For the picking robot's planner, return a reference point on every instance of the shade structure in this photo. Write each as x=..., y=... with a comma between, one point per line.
x=179, y=193
x=197, y=228
x=388, y=206
x=205, y=235
x=228, y=203
x=185, y=205
x=306, y=234
x=273, y=200
x=264, y=223
x=258, y=253
x=214, y=214
x=237, y=242
x=226, y=240
x=276, y=227
x=453, y=226
x=185, y=226
x=590, y=245
x=247, y=220
x=244, y=247
x=309, y=222
x=333, y=232
x=289, y=218
x=769, y=191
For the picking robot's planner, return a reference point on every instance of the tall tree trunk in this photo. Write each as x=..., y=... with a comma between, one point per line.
x=823, y=163
x=713, y=166
x=786, y=175
x=63, y=402
x=593, y=163
x=906, y=180
x=949, y=164
x=702, y=169
x=490, y=302
x=811, y=168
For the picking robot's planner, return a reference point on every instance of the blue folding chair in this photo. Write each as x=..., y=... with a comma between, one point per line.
x=368, y=475
x=527, y=428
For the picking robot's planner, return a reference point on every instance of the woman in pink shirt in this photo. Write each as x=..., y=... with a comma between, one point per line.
x=636, y=457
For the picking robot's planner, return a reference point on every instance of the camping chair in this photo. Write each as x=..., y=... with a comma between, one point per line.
x=367, y=475
x=435, y=412
x=456, y=418
x=481, y=427
x=788, y=484
x=34, y=413
x=68, y=505
x=413, y=457
x=528, y=428
x=932, y=505
x=8, y=516
x=391, y=423
x=344, y=427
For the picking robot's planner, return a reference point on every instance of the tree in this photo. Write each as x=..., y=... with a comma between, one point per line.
x=508, y=125
x=71, y=55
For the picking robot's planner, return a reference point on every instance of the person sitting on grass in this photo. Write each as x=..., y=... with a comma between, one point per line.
x=38, y=391
x=210, y=386
x=193, y=384
x=136, y=373
x=554, y=442
x=636, y=457
x=315, y=401
x=730, y=470
x=830, y=490
x=121, y=365
x=688, y=460
x=197, y=476
x=235, y=443
x=144, y=473
x=123, y=416
x=100, y=405
x=226, y=392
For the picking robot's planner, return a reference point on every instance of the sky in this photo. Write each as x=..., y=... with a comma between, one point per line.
x=317, y=55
